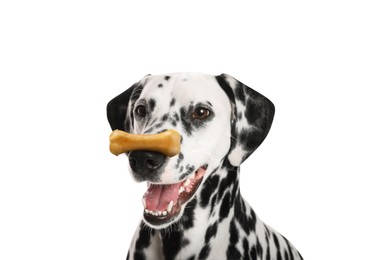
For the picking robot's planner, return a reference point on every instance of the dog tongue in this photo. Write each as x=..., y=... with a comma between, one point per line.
x=157, y=197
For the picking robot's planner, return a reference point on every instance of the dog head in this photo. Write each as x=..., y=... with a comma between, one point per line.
x=219, y=119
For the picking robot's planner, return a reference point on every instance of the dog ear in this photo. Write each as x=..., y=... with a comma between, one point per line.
x=117, y=108
x=252, y=116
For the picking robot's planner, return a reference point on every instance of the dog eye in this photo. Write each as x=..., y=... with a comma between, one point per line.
x=140, y=111
x=201, y=113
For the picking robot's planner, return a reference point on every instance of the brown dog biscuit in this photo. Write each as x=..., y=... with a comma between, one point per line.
x=167, y=142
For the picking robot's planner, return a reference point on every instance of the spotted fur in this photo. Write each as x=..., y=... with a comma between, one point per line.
x=216, y=223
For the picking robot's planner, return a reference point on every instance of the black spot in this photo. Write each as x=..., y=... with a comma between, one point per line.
x=174, y=123
x=172, y=243
x=267, y=232
x=225, y=207
x=212, y=203
x=167, y=78
x=276, y=241
x=248, y=223
x=286, y=257
x=268, y=253
x=143, y=240
x=245, y=246
x=211, y=232
x=253, y=253
x=164, y=117
x=239, y=91
x=204, y=253
x=180, y=158
x=234, y=194
x=238, y=205
x=227, y=182
x=161, y=131
x=243, y=206
x=152, y=105
x=160, y=85
x=208, y=189
x=222, y=188
x=291, y=257
x=259, y=248
x=176, y=117
x=226, y=87
x=190, y=170
x=232, y=253
x=187, y=220
x=278, y=255
x=191, y=257
x=185, y=242
x=260, y=105
x=186, y=122
x=249, y=139
x=252, y=112
x=159, y=125
x=139, y=256
x=233, y=233
x=239, y=116
x=173, y=101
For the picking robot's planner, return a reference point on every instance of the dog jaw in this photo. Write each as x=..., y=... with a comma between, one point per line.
x=164, y=203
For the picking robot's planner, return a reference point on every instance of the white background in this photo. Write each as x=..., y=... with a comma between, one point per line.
x=320, y=178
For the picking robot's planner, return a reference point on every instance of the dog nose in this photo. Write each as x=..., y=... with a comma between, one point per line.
x=146, y=162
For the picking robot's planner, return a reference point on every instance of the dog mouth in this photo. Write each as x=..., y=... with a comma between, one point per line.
x=163, y=202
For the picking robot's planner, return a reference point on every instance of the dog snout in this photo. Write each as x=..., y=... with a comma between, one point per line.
x=146, y=162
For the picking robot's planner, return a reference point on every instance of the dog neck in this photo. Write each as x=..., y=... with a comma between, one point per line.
x=217, y=203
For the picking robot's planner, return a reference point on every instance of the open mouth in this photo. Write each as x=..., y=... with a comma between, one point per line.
x=163, y=202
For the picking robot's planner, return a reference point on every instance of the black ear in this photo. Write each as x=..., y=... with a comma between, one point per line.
x=118, y=106
x=252, y=116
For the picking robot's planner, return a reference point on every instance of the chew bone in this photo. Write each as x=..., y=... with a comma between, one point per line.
x=167, y=142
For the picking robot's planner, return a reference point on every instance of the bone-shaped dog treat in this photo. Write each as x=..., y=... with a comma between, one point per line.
x=167, y=143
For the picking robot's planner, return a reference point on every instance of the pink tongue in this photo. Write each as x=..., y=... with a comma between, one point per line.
x=157, y=197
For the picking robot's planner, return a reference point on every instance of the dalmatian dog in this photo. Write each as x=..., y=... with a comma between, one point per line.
x=193, y=206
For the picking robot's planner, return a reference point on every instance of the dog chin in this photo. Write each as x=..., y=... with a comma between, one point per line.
x=164, y=204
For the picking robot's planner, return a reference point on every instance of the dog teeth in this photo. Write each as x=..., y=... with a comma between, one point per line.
x=144, y=202
x=170, y=205
x=158, y=213
x=181, y=189
x=192, y=176
x=188, y=181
